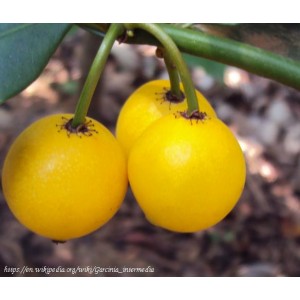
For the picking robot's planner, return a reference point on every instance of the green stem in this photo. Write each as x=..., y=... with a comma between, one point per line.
x=173, y=75
x=176, y=58
x=227, y=51
x=94, y=74
x=252, y=59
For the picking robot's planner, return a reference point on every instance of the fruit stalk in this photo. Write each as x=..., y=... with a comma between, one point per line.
x=173, y=74
x=176, y=58
x=114, y=31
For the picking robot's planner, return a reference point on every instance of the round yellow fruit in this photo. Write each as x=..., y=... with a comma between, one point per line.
x=61, y=184
x=146, y=105
x=186, y=174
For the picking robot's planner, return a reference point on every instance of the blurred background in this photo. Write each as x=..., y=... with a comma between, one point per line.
x=260, y=237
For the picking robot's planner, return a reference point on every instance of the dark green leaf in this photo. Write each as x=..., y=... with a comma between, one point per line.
x=283, y=39
x=25, y=49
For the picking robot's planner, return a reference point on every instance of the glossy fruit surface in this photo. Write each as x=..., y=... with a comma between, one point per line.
x=146, y=105
x=186, y=175
x=64, y=185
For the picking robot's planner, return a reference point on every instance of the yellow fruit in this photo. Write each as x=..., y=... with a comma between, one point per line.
x=186, y=174
x=147, y=104
x=64, y=185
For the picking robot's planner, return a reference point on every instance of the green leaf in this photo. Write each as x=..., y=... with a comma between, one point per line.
x=283, y=39
x=25, y=50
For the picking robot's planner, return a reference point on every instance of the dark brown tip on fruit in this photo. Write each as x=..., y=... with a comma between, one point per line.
x=195, y=115
x=82, y=128
x=174, y=98
x=86, y=128
x=56, y=242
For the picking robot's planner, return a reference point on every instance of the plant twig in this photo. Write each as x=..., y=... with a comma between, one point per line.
x=252, y=59
x=94, y=74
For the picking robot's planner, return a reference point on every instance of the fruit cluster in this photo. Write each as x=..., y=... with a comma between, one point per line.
x=187, y=172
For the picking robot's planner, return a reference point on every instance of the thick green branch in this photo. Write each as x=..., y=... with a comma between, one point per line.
x=255, y=60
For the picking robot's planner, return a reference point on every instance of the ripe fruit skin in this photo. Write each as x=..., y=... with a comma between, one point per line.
x=186, y=175
x=146, y=105
x=63, y=185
